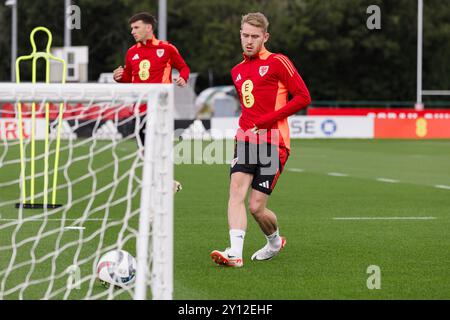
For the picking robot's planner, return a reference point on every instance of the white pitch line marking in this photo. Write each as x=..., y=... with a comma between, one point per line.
x=384, y=218
x=41, y=219
x=387, y=180
x=74, y=228
x=296, y=170
x=441, y=186
x=337, y=174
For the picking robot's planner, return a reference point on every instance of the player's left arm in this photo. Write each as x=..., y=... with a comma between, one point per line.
x=295, y=85
x=179, y=64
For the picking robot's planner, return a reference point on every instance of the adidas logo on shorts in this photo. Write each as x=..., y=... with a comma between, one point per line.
x=265, y=184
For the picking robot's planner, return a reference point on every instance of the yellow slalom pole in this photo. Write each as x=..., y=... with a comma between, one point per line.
x=21, y=148
x=58, y=138
x=47, y=126
x=58, y=131
x=33, y=135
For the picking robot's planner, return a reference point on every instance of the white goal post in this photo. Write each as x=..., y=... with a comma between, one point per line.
x=420, y=93
x=77, y=182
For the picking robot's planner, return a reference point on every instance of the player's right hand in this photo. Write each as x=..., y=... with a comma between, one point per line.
x=118, y=73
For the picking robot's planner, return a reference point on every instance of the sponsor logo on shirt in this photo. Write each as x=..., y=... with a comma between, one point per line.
x=238, y=78
x=248, y=99
x=144, y=70
x=135, y=57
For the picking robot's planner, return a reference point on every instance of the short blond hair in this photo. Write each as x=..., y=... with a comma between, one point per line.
x=256, y=19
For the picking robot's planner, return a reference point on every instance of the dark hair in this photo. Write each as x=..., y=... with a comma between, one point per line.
x=145, y=17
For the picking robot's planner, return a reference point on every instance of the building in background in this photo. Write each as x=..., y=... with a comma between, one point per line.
x=77, y=59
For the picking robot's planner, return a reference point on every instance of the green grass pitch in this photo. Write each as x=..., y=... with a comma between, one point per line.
x=343, y=205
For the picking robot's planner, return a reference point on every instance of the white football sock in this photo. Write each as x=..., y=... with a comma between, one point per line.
x=237, y=242
x=274, y=240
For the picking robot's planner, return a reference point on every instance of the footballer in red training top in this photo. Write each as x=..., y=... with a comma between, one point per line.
x=263, y=81
x=150, y=60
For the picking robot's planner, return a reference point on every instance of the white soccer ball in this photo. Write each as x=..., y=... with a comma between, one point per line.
x=116, y=267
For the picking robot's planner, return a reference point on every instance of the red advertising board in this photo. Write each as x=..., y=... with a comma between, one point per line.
x=419, y=128
x=9, y=129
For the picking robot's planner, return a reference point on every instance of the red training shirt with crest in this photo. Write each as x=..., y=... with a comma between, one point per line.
x=152, y=63
x=263, y=83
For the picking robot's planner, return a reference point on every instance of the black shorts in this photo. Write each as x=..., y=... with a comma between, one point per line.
x=264, y=161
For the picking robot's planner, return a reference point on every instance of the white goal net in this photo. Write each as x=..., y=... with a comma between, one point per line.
x=77, y=181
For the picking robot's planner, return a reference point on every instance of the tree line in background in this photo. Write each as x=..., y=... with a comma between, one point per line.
x=328, y=41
